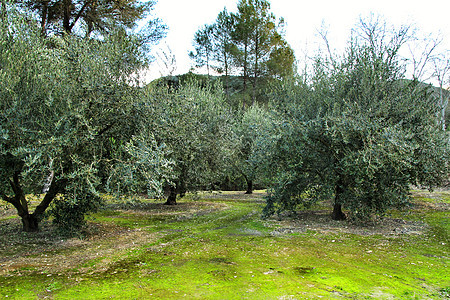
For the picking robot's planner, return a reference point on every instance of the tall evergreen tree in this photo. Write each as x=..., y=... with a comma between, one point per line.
x=249, y=41
x=257, y=34
x=91, y=16
x=204, y=49
x=223, y=44
x=243, y=27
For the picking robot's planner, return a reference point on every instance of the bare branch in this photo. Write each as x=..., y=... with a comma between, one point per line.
x=323, y=32
x=421, y=60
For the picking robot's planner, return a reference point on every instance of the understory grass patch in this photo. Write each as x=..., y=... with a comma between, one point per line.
x=217, y=246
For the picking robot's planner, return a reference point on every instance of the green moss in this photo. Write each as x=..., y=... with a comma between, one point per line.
x=8, y=217
x=231, y=254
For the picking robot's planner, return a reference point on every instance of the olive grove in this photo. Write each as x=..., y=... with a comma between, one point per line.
x=76, y=122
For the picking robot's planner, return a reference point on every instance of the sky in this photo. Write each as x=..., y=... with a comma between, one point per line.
x=303, y=20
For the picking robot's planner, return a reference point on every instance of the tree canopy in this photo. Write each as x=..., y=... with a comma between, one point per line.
x=60, y=105
x=249, y=42
x=194, y=122
x=89, y=17
x=360, y=134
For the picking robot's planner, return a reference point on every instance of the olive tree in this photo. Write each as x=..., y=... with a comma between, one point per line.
x=195, y=125
x=61, y=100
x=360, y=134
x=250, y=128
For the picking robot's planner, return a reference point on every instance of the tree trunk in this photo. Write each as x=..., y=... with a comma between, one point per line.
x=207, y=62
x=172, y=199
x=245, y=68
x=44, y=19
x=249, y=186
x=255, y=73
x=337, y=214
x=30, y=223
x=67, y=6
x=226, y=75
x=56, y=186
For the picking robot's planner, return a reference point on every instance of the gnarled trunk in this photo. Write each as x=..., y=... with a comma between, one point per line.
x=30, y=223
x=249, y=186
x=172, y=199
x=337, y=214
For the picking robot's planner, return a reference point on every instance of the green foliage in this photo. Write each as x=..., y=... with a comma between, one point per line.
x=250, y=129
x=262, y=51
x=281, y=63
x=203, y=47
x=223, y=44
x=194, y=122
x=359, y=134
x=62, y=100
x=92, y=17
x=69, y=216
x=141, y=166
x=249, y=42
x=27, y=94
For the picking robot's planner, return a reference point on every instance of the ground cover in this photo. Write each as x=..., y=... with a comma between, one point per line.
x=216, y=246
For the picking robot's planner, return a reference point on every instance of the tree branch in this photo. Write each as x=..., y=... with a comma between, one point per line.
x=56, y=187
x=79, y=14
x=7, y=199
x=108, y=127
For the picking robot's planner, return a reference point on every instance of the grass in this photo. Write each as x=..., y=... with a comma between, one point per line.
x=216, y=246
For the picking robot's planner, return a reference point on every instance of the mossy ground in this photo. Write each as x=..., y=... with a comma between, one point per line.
x=216, y=246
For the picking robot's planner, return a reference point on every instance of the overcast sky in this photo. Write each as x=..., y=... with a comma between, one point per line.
x=303, y=19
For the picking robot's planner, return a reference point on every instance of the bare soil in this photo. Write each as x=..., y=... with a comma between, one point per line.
x=320, y=220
